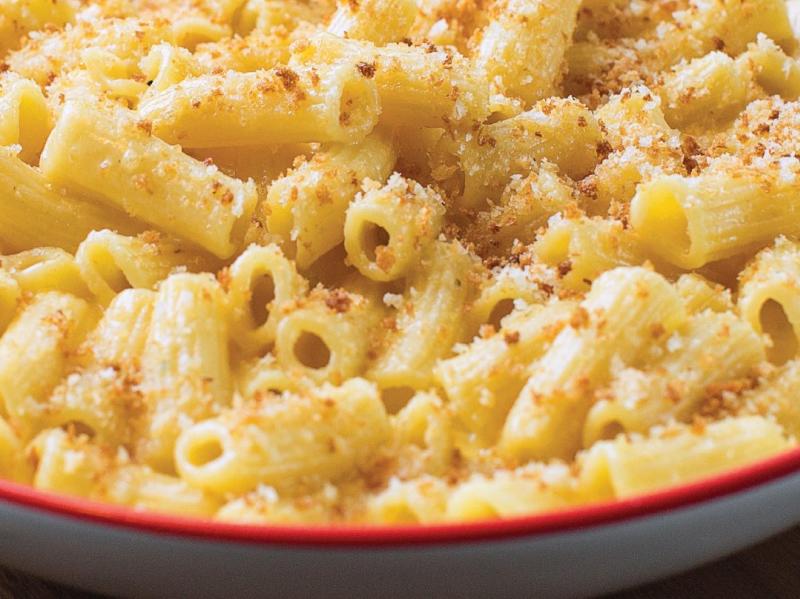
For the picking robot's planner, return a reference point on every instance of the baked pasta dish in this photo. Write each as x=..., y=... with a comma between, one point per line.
x=387, y=261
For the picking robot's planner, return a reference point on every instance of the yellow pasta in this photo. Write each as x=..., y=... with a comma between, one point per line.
x=525, y=205
x=626, y=310
x=583, y=248
x=300, y=441
x=13, y=464
x=424, y=430
x=522, y=49
x=769, y=297
x=729, y=209
x=10, y=296
x=419, y=500
x=113, y=156
x=420, y=86
x=25, y=117
x=642, y=146
x=33, y=214
x=395, y=261
x=505, y=290
x=262, y=283
x=71, y=463
x=34, y=354
x=502, y=495
x=378, y=21
x=307, y=206
x=45, y=269
x=315, y=338
x=713, y=350
x=110, y=263
x=284, y=105
x=429, y=320
x=185, y=369
x=561, y=131
x=386, y=229
x=483, y=382
x=640, y=466
x=101, y=395
x=21, y=17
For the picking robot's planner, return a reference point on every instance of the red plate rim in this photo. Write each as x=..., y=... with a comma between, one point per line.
x=570, y=519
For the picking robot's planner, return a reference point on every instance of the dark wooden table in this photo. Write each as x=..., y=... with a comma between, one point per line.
x=770, y=570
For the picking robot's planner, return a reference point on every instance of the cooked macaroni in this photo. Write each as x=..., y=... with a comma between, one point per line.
x=387, y=261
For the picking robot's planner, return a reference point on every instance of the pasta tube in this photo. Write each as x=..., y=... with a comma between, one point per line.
x=522, y=49
x=387, y=228
x=24, y=117
x=34, y=354
x=261, y=283
x=769, y=298
x=583, y=248
x=525, y=205
x=642, y=465
x=307, y=206
x=505, y=290
x=335, y=103
x=562, y=131
x=714, y=349
x=10, y=296
x=378, y=21
x=422, y=86
x=727, y=210
x=326, y=337
x=626, y=310
x=292, y=442
x=483, y=381
x=45, y=269
x=75, y=465
x=33, y=214
x=114, y=157
x=110, y=263
x=185, y=366
x=103, y=397
x=429, y=322
x=503, y=494
x=13, y=463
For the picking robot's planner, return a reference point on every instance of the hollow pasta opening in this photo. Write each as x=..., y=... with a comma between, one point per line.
x=610, y=431
x=354, y=107
x=396, y=398
x=661, y=211
x=501, y=309
x=108, y=269
x=373, y=237
x=31, y=259
x=204, y=451
x=76, y=428
x=33, y=130
x=778, y=327
x=262, y=294
x=311, y=351
x=239, y=230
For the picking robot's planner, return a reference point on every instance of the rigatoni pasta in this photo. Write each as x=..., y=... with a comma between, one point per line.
x=335, y=103
x=386, y=262
x=338, y=429
x=129, y=167
x=185, y=370
x=306, y=207
x=387, y=229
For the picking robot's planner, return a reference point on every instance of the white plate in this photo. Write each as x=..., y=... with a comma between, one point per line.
x=581, y=552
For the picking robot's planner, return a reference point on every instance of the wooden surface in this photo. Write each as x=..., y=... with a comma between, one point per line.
x=770, y=570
